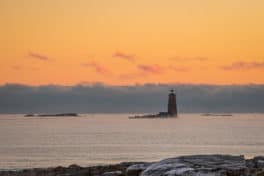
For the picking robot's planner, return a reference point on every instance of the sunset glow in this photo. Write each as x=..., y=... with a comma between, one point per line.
x=124, y=42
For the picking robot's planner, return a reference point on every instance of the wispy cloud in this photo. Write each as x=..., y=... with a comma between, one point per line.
x=243, y=65
x=155, y=69
x=179, y=69
x=16, y=67
x=38, y=56
x=187, y=59
x=129, y=57
x=97, y=67
x=132, y=75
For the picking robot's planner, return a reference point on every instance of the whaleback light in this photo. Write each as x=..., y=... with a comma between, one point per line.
x=172, y=109
x=172, y=104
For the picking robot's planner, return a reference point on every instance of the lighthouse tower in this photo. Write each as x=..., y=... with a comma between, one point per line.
x=172, y=105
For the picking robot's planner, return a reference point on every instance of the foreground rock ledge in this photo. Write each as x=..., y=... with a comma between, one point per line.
x=195, y=165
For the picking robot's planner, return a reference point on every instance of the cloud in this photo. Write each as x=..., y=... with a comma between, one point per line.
x=121, y=55
x=155, y=69
x=99, y=98
x=178, y=69
x=243, y=66
x=97, y=67
x=132, y=75
x=38, y=56
x=16, y=67
x=145, y=70
x=187, y=59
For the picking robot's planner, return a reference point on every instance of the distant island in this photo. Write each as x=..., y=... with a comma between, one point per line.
x=172, y=109
x=211, y=114
x=53, y=115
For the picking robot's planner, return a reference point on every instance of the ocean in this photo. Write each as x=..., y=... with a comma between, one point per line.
x=92, y=139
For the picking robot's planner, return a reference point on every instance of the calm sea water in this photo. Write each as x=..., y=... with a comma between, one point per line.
x=111, y=138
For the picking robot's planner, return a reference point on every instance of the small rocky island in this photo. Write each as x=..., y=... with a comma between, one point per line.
x=53, y=115
x=196, y=165
x=172, y=109
x=217, y=115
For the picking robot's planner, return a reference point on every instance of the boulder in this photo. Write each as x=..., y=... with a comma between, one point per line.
x=198, y=165
x=136, y=169
x=113, y=173
x=259, y=162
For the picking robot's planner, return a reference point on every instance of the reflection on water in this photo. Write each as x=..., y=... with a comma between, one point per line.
x=110, y=138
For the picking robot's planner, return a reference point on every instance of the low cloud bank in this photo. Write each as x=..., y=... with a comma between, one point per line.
x=98, y=98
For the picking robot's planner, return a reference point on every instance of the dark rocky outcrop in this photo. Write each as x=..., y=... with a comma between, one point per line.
x=196, y=165
x=113, y=173
x=258, y=162
x=136, y=169
x=74, y=170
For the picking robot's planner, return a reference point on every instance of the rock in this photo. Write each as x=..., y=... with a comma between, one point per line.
x=127, y=164
x=29, y=115
x=113, y=173
x=73, y=170
x=257, y=162
x=205, y=165
x=178, y=171
x=216, y=161
x=74, y=167
x=136, y=169
x=196, y=165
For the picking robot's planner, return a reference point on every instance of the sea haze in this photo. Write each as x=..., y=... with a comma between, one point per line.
x=91, y=139
x=98, y=98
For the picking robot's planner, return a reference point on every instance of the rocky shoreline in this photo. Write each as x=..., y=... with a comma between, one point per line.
x=195, y=165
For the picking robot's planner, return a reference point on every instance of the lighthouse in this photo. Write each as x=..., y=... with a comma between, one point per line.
x=172, y=109
x=172, y=105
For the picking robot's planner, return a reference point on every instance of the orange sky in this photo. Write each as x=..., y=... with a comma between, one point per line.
x=122, y=42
